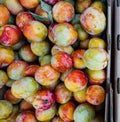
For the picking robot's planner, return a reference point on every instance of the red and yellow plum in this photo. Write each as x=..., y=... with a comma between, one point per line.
x=76, y=80
x=62, y=61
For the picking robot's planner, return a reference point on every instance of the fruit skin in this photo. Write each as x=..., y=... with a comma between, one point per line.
x=61, y=61
x=84, y=113
x=4, y=16
x=45, y=60
x=40, y=48
x=13, y=6
x=52, y=2
x=64, y=74
x=62, y=94
x=96, y=77
x=26, y=53
x=25, y=87
x=29, y=3
x=6, y=56
x=19, y=44
x=76, y=80
x=3, y=120
x=26, y=116
x=63, y=12
x=80, y=96
x=100, y=5
x=46, y=75
x=42, y=13
x=30, y=70
x=78, y=59
x=55, y=49
x=16, y=69
x=84, y=44
x=9, y=97
x=46, y=115
x=95, y=94
x=3, y=78
x=82, y=5
x=22, y=18
x=26, y=106
x=58, y=34
x=14, y=113
x=96, y=42
x=66, y=111
x=35, y=31
x=93, y=21
x=57, y=119
x=43, y=100
x=10, y=35
x=5, y=109
x=95, y=58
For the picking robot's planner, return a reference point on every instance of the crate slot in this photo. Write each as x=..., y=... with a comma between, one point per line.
x=118, y=85
x=118, y=3
x=118, y=42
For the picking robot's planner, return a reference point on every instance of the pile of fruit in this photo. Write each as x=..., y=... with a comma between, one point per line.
x=53, y=60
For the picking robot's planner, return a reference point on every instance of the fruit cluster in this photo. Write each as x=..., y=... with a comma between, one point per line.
x=53, y=60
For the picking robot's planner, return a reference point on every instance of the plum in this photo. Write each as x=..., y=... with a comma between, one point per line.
x=57, y=119
x=99, y=4
x=62, y=61
x=46, y=75
x=95, y=58
x=84, y=113
x=52, y=2
x=82, y=5
x=62, y=94
x=80, y=96
x=4, y=15
x=45, y=60
x=29, y=3
x=16, y=69
x=35, y=31
x=93, y=21
x=15, y=112
x=40, y=48
x=84, y=44
x=44, y=99
x=13, y=6
x=5, y=109
x=26, y=116
x=22, y=18
x=30, y=70
x=58, y=34
x=55, y=49
x=95, y=94
x=6, y=56
x=46, y=115
x=10, y=97
x=10, y=35
x=78, y=59
x=96, y=77
x=76, y=80
x=25, y=87
x=97, y=42
x=66, y=111
x=26, y=106
x=63, y=12
x=26, y=53
x=3, y=78
x=19, y=44
x=64, y=74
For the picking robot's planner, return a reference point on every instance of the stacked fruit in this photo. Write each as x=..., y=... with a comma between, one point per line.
x=53, y=60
